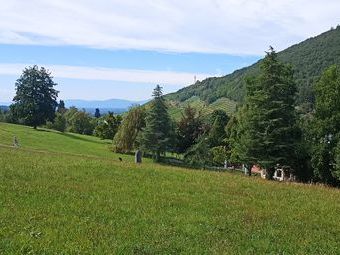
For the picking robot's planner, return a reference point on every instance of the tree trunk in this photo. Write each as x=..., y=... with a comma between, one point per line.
x=157, y=156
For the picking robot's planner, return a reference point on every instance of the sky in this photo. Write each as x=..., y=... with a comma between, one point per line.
x=105, y=49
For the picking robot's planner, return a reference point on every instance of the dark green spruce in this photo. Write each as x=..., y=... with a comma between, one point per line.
x=267, y=128
x=157, y=134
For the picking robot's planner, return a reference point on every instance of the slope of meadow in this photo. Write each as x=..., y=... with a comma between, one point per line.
x=68, y=194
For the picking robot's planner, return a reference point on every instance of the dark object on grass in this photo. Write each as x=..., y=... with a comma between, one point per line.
x=120, y=159
x=138, y=157
x=15, y=142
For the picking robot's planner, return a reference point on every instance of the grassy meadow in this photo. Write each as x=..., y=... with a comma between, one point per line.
x=68, y=194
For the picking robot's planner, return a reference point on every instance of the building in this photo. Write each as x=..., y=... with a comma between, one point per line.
x=280, y=174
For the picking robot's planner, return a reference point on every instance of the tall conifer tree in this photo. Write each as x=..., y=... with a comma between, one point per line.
x=268, y=133
x=156, y=136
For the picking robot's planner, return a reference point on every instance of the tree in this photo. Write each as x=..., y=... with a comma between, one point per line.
x=219, y=154
x=2, y=115
x=326, y=126
x=268, y=132
x=81, y=123
x=156, y=136
x=97, y=113
x=222, y=115
x=108, y=126
x=61, y=107
x=69, y=115
x=59, y=123
x=217, y=134
x=199, y=155
x=337, y=162
x=239, y=138
x=132, y=124
x=189, y=128
x=35, y=99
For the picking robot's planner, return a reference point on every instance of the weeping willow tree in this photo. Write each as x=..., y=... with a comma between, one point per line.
x=125, y=138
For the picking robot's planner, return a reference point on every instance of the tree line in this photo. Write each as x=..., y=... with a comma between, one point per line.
x=35, y=104
x=268, y=128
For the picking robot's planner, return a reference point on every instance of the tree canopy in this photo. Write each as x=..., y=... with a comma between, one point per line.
x=326, y=127
x=267, y=128
x=132, y=124
x=156, y=136
x=189, y=128
x=35, y=99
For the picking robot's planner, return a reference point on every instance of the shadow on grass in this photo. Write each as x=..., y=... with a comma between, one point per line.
x=70, y=135
x=76, y=137
x=170, y=161
x=43, y=130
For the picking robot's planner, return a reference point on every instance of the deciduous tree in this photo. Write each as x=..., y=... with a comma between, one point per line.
x=189, y=128
x=132, y=124
x=35, y=99
x=326, y=126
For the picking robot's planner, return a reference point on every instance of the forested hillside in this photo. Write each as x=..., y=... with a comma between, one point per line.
x=308, y=60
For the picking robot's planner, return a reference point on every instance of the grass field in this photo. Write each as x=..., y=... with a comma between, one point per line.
x=68, y=194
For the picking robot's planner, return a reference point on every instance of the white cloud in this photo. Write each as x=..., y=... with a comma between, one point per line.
x=221, y=26
x=110, y=74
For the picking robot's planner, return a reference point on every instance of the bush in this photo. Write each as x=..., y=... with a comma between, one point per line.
x=81, y=123
x=107, y=126
x=59, y=123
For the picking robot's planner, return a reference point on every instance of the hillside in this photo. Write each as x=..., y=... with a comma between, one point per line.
x=225, y=104
x=68, y=194
x=308, y=58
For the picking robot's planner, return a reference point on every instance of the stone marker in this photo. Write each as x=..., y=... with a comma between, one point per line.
x=138, y=157
x=15, y=142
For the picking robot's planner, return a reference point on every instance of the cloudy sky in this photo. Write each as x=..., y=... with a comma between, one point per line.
x=121, y=49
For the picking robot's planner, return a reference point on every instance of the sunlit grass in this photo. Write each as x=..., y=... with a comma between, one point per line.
x=71, y=203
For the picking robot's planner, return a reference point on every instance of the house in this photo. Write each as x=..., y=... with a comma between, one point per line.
x=283, y=174
x=256, y=169
x=280, y=174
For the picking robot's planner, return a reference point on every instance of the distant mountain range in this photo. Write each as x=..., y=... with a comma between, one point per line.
x=110, y=105
x=3, y=107
x=105, y=106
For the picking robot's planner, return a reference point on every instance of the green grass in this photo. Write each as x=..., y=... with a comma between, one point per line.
x=54, y=141
x=74, y=197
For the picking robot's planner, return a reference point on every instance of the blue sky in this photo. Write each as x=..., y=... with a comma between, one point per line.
x=122, y=49
x=200, y=65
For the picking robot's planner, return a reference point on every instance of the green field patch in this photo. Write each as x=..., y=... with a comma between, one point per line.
x=71, y=195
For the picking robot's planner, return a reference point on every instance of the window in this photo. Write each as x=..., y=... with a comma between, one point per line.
x=278, y=173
